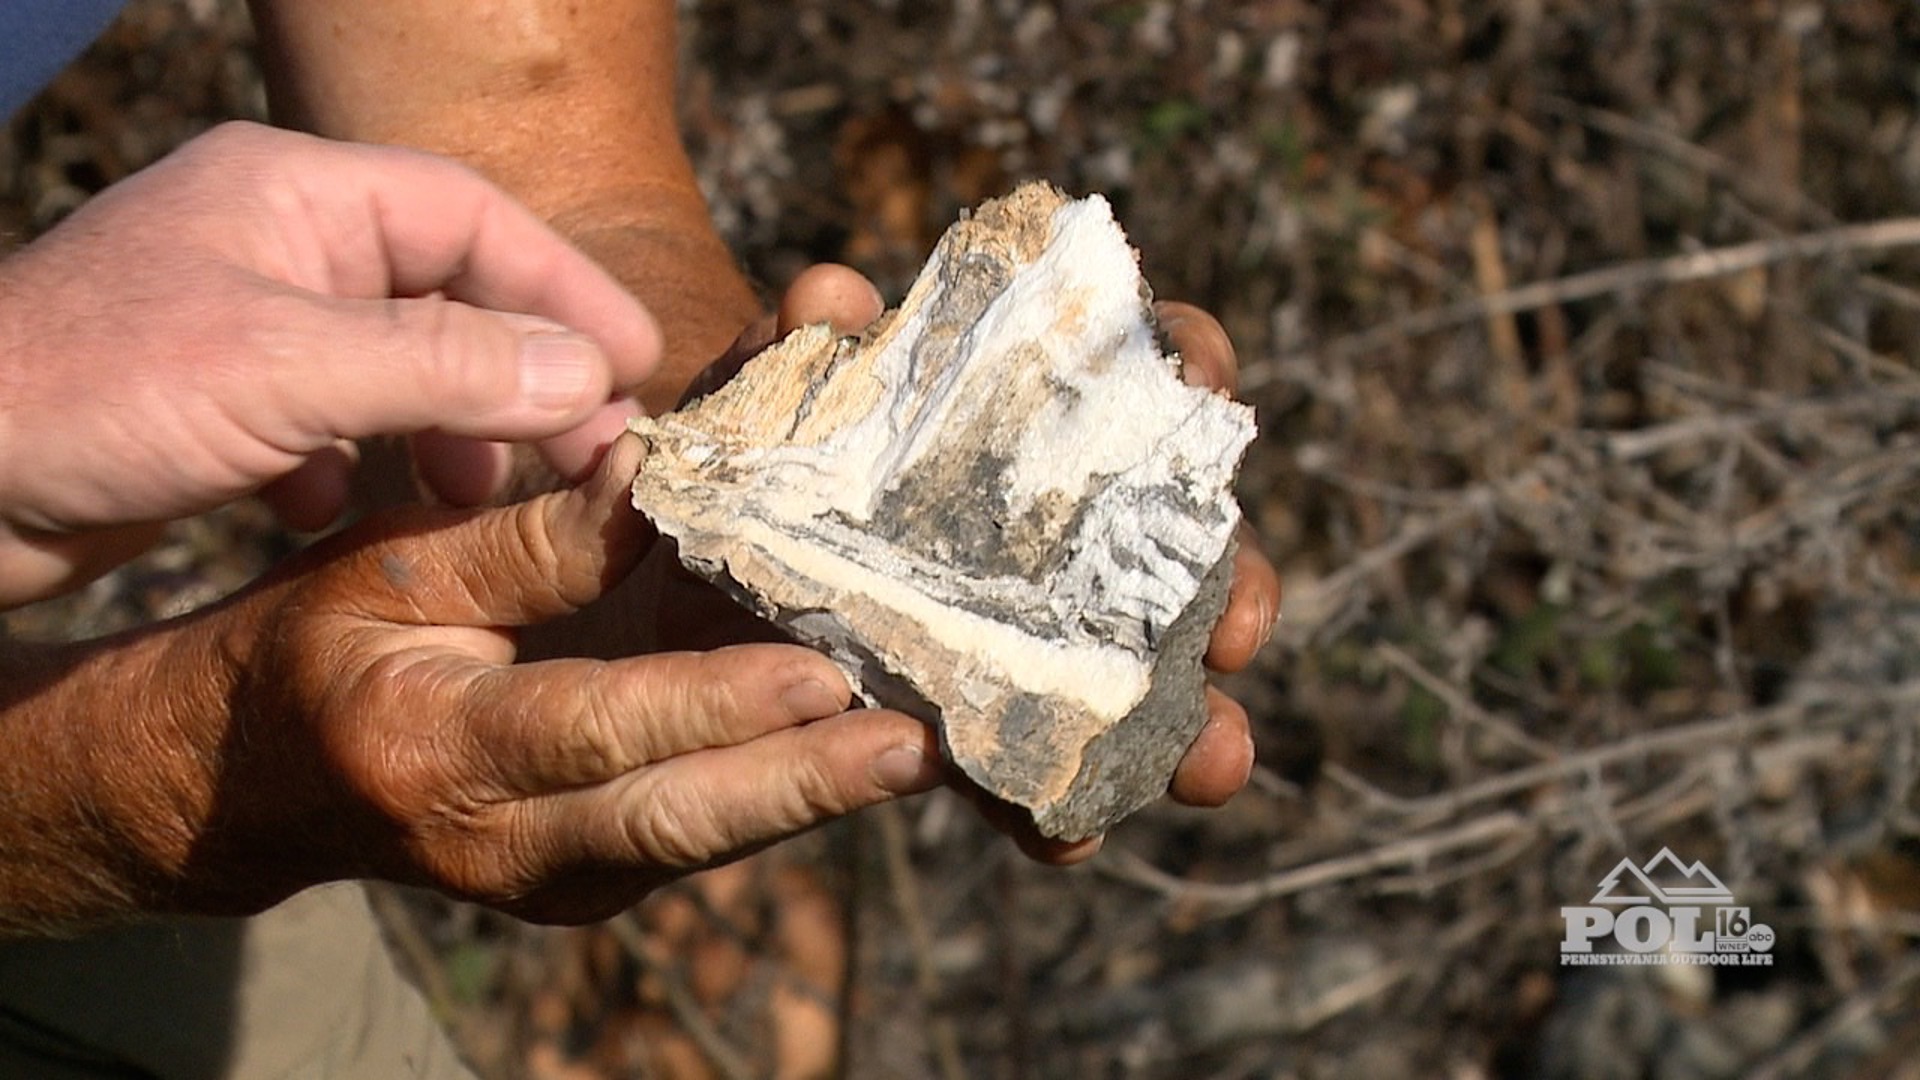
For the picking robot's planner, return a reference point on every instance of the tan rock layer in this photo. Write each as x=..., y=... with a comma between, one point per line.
x=1001, y=510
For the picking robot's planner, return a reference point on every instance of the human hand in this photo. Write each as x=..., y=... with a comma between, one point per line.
x=221, y=322
x=359, y=715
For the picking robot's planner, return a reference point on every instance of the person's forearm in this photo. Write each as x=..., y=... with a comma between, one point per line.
x=562, y=101
x=97, y=783
x=566, y=103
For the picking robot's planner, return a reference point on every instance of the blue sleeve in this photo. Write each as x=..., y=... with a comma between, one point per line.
x=39, y=37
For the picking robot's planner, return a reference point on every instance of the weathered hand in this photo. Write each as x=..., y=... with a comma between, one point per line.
x=224, y=320
x=367, y=720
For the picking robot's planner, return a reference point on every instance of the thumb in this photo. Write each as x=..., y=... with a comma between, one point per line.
x=512, y=566
x=394, y=367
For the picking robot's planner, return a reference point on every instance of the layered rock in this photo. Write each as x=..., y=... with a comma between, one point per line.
x=1000, y=510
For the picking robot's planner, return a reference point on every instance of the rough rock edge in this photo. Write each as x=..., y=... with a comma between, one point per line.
x=1117, y=771
x=1166, y=722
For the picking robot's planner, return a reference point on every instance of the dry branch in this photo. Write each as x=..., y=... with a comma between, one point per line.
x=1625, y=278
x=1818, y=708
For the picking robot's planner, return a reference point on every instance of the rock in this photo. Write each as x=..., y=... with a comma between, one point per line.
x=1001, y=510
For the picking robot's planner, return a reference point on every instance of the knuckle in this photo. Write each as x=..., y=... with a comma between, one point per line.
x=711, y=682
x=488, y=854
x=485, y=850
x=268, y=328
x=609, y=742
x=550, y=571
x=234, y=136
x=688, y=691
x=459, y=357
x=816, y=793
x=404, y=772
x=673, y=825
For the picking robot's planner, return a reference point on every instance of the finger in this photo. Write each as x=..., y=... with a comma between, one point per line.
x=462, y=471
x=1051, y=852
x=1220, y=760
x=383, y=221
x=1253, y=607
x=517, y=565
x=573, y=454
x=355, y=368
x=705, y=807
x=830, y=293
x=35, y=565
x=1207, y=356
x=310, y=497
x=566, y=723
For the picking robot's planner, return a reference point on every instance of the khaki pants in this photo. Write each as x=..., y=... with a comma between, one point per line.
x=305, y=991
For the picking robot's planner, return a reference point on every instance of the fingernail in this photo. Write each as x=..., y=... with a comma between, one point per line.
x=905, y=770
x=556, y=369
x=1194, y=375
x=811, y=699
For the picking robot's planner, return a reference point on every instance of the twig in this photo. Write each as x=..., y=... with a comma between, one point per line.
x=1891, y=292
x=1274, y=786
x=1727, y=730
x=1310, y=605
x=855, y=921
x=1692, y=155
x=680, y=1002
x=1232, y=899
x=1357, y=992
x=1644, y=442
x=926, y=977
x=1343, y=777
x=1866, y=361
x=1014, y=1003
x=1828, y=495
x=1503, y=333
x=1428, y=882
x=1459, y=703
x=1799, y=1055
x=1626, y=277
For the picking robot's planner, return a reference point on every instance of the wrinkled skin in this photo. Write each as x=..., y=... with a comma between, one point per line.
x=252, y=267
x=359, y=713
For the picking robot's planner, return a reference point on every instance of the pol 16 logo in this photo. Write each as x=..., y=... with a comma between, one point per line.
x=1665, y=912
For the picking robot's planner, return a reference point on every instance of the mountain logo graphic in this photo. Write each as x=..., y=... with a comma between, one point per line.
x=1628, y=883
x=1664, y=911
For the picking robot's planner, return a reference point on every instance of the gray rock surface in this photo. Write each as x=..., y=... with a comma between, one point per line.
x=1001, y=510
